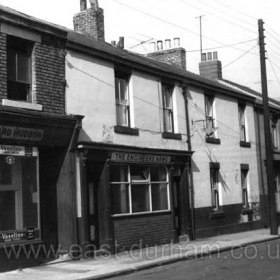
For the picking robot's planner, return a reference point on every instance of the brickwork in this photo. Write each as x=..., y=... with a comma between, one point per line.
x=49, y=77
x=211, y=69
x=91, y=22
x=3, y=66
x=150, y=230
x=176, y=57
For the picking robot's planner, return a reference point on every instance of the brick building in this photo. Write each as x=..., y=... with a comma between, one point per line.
x=35, y=132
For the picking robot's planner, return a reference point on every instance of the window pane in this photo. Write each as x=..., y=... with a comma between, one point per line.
x=122, y=115
x=139, y=173
x=18, y=91
x=5, y=171
x=11, y=63
x=119, y=198
x=167, y=97
x=209, y=106
x=7, y=210
x=29, y=192
x=244, y=178
x=158, y=174
x=140, y=198
x=118, y=173
x=168, y=120
x=23, y=64
x=159, y=197
x=123, y=91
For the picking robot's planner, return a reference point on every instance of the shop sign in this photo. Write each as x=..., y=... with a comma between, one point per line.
x=17, y=151
x=21, y=133
x=27, y=234
x=140, y=158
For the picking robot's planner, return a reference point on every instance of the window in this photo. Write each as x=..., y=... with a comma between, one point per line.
x=122, y=100
x=244, y=184
x=19, y=68
x=242, y=127
x=138, y=189
x=275, y=134
x=168, y=118
x=209, y=113
x=19, y=194
x=214, y=179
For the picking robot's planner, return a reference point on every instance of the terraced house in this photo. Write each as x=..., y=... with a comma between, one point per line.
x=163, y=154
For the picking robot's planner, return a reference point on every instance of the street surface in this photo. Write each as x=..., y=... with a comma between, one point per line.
x=256, y=262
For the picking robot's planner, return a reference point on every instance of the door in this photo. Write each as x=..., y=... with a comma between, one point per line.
x=176, y=189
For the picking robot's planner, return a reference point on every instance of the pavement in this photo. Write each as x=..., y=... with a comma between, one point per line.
x=109, y=266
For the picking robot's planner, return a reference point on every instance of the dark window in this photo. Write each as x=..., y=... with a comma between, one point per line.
x=209, y=113
x=214, y=179
x=19, y=68
x=242, y=127
x=244, y=185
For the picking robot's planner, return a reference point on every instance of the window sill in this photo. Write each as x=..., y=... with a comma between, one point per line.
x=216, y=214
x=126, y=130
x=213, y=140
x=171, y=135
x=137, y=214
x=246, y=211
x=245, y=144
x=22, y=104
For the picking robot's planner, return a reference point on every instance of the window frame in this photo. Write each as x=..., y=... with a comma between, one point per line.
x=148, y=182
x=242, y=122
x=122, y=103
x=169, y=109
x=17, y=48
x=209, y=100
x=245, y=184
x=215, y=186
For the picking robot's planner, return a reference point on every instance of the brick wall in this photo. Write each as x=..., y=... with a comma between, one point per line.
x=176, y=56
x=49, y=76
x=150, y=230
x=91, y=22
x=3, y=66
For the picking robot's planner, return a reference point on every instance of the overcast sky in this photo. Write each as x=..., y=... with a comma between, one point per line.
x=228, y=26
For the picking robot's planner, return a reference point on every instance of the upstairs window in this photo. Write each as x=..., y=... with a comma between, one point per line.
x=242, y=127
x=209, y=114
x=244, y=184
x=122, y=100
x=19, y=53
x=168, y=117
x=214, y=180
x=275, y=134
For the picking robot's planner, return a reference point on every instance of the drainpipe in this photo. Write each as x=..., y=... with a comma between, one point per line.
x=191, y=190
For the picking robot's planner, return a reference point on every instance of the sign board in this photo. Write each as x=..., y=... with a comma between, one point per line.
x=21, y=133
x=18, y=150
x=28, y=234
x=140, y=158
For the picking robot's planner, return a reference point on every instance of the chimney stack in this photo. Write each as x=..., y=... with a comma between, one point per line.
x=174, y=55
x=210, y=67
x=90, y=20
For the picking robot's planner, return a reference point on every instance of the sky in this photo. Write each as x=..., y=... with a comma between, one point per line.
x=228, y=26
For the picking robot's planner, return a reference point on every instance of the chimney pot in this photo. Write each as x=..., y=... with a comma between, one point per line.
x=83, y=5
x=176, y=42
x=159, y=45
x=121, y=42
x=203, y=57
x=209, y=56
x=153, y=46
x=113, y=43
x=215, y=55
x=167, y=43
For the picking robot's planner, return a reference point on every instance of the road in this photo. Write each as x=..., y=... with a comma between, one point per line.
x=256, y=262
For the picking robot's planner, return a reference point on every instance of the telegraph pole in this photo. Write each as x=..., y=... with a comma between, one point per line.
x=200, y=32
x=268, y=141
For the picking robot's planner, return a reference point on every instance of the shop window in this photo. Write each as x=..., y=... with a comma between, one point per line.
x=139, y=189
x=122, y=100
x=209, y=114
x=19, y=68
x=19, y=194
x=242, y=126
x=214, y=179
x=244, y=184
x=168, y=113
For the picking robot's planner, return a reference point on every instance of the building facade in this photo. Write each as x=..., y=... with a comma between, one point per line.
x=35, y=132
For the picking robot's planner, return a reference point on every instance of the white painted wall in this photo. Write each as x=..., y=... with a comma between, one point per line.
x=90, y=92
x=229, y=153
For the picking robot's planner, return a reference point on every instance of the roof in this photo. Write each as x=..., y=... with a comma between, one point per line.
x=84, y=43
